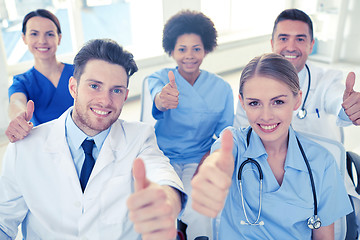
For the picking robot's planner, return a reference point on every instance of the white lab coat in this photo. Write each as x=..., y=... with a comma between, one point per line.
x=326, y=94
x=39, y=183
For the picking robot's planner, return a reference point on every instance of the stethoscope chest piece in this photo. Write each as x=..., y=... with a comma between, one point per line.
x=302, y=113
x=314, y=222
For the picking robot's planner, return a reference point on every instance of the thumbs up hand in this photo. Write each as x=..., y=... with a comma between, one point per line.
x=168, y=98
x=20, y=126
x=211, y=184
x=152, y=208
x=351, y=100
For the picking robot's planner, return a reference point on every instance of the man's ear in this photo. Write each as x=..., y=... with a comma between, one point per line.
x=73, y=87
x=127, y=94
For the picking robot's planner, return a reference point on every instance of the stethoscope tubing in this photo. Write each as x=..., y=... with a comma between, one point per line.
x=302, y=112
x=250, y=160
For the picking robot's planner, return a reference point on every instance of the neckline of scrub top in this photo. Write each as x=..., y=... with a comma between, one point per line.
x=294, y=158
x=196, y=83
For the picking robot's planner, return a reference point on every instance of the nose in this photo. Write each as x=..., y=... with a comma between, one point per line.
x=291, y=45
x=42, y=38
x=188, y=54
x=267, y=114
x=104, y=98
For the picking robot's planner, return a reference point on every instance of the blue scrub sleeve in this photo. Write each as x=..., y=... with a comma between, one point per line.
x=156, y=83
x=333, y=202
x=3, y=235
x=17, y=86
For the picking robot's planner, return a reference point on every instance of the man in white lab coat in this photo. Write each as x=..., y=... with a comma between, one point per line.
x=132, y=190
x=327, y=104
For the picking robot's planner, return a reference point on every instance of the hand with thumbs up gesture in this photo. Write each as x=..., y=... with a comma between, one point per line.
x=168, y=98
x=351, y=100
x=153, y=208
x=20, y=126
x=211, y=184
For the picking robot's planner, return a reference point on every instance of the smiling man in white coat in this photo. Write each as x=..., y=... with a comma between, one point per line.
x=326, y=103
x=122, y=188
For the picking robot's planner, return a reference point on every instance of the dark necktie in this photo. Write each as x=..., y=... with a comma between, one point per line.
x=89, y=162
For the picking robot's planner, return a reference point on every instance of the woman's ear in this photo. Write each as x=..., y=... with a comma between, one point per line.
x=23, y=38
x=241, y=101
x=60, y=35
x=298, y=100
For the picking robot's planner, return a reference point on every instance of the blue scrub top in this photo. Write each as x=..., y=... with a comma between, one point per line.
x=285, y=208
x=186, y=133
x=50, y=101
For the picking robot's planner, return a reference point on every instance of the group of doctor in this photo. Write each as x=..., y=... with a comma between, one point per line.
x=267, y=181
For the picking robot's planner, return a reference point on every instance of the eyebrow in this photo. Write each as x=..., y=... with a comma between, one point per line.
x=196, y=45
x=287, y=35
x=101, y=83
x=276, y=97
x=33, y=30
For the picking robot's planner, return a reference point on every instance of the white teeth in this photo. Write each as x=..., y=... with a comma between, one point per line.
x=290, y=56
x=100, y=112
x=43, y=49
x=268, y=127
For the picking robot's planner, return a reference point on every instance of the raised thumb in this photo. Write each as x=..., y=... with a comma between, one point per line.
x=226, y=161
x=172, y=79
x=29, y=110
x=349, y=84
x=139, y=174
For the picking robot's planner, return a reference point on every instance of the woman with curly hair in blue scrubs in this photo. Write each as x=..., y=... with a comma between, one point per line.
x=191, y=105
x=45, y=85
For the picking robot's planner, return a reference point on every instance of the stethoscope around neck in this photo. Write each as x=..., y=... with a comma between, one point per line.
x=302, y=112
x=313, y=222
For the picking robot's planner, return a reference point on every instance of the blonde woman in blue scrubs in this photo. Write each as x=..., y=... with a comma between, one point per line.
x=191, y=105
x=229, y=179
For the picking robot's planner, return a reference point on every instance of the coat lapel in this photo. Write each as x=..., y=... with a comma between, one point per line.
x=57, y=147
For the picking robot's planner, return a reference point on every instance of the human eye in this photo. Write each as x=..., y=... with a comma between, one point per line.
x=278, y=102
x=181, y=49
x=51, y=34
x=197, y=49
x=94, y=86
x=121, y=90
x=33, y=34
x=253, y=103
x=301, y=39
x=283, y=39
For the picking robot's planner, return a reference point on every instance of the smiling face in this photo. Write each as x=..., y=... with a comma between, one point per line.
x=189, y=53
x=293, y=41
x=99, y=96
x=41, y=37
x=269, y=106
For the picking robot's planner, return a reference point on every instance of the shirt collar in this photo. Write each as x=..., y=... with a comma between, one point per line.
x=256, y=147
x=76, y=136
x=302, y=77
x=294, y=158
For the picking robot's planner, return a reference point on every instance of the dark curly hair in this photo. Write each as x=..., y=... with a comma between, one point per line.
x=187, y=21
